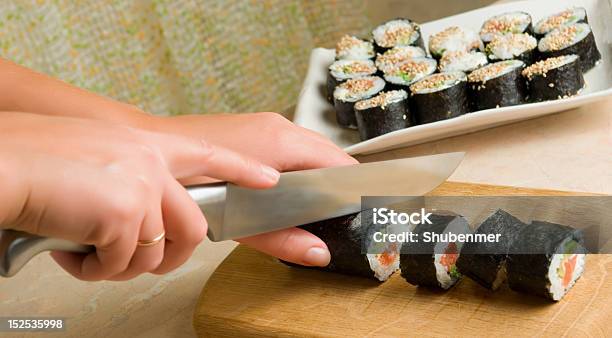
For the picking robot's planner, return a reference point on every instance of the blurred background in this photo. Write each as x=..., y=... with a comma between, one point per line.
x=193, y=56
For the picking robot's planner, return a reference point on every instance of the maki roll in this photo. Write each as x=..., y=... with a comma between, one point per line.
x=398, y=32
x=512, y=22
x=461, y=61
x=497, y=85
x=384, y=113
x=431, y=262
x=405, y=73
x=354, y=48
x=485, y=262
x=554, y=78
x=521, y=46
x=546, y=260
x=573, y=39
x=438, y=97
x=454, y=39
x=344, y=237
x=351, y=91
x=343, y=70
x=565, y=18
x=396, y=55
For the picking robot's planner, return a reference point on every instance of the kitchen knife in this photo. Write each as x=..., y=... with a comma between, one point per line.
x=300, y=197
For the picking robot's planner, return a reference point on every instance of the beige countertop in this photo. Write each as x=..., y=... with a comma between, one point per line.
x=568, y=151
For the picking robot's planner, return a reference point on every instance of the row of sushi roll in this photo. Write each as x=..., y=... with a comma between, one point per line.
x=509, y=62
x=540, y=258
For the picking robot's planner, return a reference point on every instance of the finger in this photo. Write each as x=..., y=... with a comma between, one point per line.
x=107, y=261
x=185, y=226
x=294, y=245
x=146, y=258
x=188, y=157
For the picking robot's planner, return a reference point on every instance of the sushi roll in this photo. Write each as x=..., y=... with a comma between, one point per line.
x=521, y=46
x=432, y=263
x=546, y=260
x=344, y=237
x=396, y=55
x=351, y=91
x=498, y=84
x=567, y=17
x=512, y=22
x=573, y=39
x=343, y=70
x=454, y=39
x=384, y=113
x=405, y=73
x=438, y=97
x=397, y=32
x=353, y=48
x=554, y=78
x=485, y=262
x=462, y=61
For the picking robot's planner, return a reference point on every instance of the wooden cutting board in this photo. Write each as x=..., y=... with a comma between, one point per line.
x=251, y=294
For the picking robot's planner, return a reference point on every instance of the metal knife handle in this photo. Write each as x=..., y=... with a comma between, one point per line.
x=17, y=248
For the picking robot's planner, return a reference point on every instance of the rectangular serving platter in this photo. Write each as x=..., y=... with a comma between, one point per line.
x=315, y=113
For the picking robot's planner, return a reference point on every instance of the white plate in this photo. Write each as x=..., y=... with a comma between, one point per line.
x=314, y=112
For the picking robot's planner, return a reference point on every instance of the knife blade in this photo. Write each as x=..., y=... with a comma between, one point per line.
x=300, y=197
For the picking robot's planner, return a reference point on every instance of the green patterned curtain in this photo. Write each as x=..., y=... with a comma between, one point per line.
x=178, y=56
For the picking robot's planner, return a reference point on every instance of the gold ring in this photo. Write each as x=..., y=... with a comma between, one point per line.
x=153, y=241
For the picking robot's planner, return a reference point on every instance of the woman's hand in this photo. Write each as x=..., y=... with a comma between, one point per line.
x=110, y=186
x=273, y=140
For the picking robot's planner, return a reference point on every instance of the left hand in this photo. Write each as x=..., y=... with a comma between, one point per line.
x=275, y=141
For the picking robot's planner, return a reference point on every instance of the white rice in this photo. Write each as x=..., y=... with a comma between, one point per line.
x=510, y=45
x=556, y=289
x=382, y=100
x=386, y=35
x=338, y=69
x=391, y=57
x=567, y=17
x=342, y=92
x=494, y=70
x=564, y=37
x=512, y=22
x=396, y=76
x=453, y=79
x=462, y=61
x=454, y=39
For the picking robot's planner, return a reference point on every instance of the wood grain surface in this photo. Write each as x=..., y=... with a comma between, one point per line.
x=251, y=294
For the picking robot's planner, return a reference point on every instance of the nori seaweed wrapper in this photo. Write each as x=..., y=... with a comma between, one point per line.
x=376, y=121
x=345, y=116
x=483, y=261
x=344, y=239
x=560, y=82
x=532, y=252
x=505, y=90
x=585, y=48
x=440, y=105
x=417, y=259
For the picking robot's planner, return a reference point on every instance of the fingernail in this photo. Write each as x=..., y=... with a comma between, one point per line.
x=270, y=173
x=317, y=256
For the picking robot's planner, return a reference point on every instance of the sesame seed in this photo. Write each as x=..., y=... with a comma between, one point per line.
x=542, y=67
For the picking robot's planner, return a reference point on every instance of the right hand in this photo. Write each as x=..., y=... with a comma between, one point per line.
x=110, y=186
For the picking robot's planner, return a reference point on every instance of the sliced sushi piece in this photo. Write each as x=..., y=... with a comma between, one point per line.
x=454, y=39
x=546, y=260
x=567, y=17
x=432, y=262
x=344, y=237
x=353, y=48
x=511, y=22
x=521, y=46
x=342, y=70
x=554, y=78
x=405, y=73
x=396, y=55
x=485, y=262
x=498, y=84
x=438, y=97
x=572, y=39
x=384, y=113
x=462, y=61
x=351, y=91
x=397, y=32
